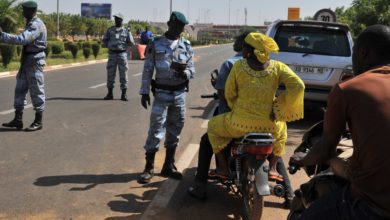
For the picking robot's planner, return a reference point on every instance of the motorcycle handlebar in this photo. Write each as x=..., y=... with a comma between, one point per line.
x=213, y=96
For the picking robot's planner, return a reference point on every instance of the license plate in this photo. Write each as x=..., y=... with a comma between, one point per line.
x=309, y=69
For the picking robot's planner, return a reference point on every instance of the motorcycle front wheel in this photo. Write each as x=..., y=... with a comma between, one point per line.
x=253, y=203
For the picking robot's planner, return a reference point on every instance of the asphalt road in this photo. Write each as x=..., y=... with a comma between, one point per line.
x=85, y=162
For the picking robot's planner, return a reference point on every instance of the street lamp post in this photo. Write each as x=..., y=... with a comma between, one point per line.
x=58, y=19
x=170, y=8
x=229, y=19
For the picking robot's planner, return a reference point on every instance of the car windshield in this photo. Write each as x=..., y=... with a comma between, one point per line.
x=312, y=40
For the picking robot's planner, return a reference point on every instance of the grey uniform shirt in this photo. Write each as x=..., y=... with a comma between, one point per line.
x=33, y=38
x=160, y=54
x=118, y=39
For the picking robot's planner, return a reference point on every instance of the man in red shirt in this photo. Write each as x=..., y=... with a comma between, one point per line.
x=364, y=104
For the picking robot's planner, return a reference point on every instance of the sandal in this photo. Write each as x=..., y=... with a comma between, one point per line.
x=275, y=177
x=213, y=174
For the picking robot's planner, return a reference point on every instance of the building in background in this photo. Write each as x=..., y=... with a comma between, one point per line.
x=206, y=32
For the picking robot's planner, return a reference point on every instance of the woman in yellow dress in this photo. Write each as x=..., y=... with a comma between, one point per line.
x=250, y=92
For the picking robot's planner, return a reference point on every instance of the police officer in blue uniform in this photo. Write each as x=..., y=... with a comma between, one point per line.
x=30, y=75
x=117, y=39
x=172, y=58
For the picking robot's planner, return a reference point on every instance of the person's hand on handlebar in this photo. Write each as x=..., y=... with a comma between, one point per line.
x=296, y=161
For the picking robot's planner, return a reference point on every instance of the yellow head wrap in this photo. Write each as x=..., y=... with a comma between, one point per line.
x=263, y=45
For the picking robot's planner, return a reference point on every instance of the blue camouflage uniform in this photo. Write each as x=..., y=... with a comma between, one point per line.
x=168, y=109
x=117, y=40
x=30, y=75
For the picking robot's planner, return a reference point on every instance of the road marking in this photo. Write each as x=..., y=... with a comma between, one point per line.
x=97, y=86
x=13, y=110
x=166, y=191
x=137, y=74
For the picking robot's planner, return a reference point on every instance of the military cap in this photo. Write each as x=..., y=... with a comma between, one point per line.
x=119, y=15
x=178, y=16
x=30, y=4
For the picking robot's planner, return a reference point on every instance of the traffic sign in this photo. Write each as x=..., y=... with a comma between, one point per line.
x=325, y=15
x=293, y=13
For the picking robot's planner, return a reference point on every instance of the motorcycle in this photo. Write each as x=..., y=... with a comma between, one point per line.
x=247, y=168
x=323, y=180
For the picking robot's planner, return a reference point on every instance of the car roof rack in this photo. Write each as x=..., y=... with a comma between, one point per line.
x=312, y=23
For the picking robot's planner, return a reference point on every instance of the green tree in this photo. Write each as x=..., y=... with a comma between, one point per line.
x=78, y=26
x=364, y=13
x=50, y=21
x=91, y=27
x=95, y=49
x=101, y=27
x=74, y=48
x=65, y=25
x=10, y=18
x=86, y=49
x=7, y=52
x=136, y=24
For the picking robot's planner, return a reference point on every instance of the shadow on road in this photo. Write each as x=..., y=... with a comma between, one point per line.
x=74, y=99
x=3, y=129
x=132, y=203
x=90, y=180
x=205, y=110
x=220, y=204
x=273, y=204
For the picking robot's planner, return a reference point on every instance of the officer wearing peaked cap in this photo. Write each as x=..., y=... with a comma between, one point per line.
x=117, y=39
x=30, y=76
x=30, y=4
x=167, y=70
x=119, y=15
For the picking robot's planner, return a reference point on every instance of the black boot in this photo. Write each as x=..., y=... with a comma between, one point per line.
x=37, y=124
x=124, y=96
x=169, y=169
x=17, y=122
x=148, y=173
x=109, y=95
x=198, y=190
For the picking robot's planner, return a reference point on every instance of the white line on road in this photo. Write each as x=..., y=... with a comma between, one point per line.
x=13, y=110
x=97, y=86
x=168, y=188
x=104, y=84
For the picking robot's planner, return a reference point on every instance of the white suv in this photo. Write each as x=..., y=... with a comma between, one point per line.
x=318, y=52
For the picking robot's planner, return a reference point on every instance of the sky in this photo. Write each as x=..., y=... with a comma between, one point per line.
x=201, y=11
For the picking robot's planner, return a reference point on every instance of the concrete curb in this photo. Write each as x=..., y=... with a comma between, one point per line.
x=57, y=67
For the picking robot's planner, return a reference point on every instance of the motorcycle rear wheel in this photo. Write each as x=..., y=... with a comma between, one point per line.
x=253, y=203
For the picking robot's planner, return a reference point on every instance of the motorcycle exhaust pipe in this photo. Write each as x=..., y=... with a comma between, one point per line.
x=277, y=189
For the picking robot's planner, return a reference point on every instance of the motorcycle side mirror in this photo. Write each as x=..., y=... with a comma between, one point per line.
x=214, y=76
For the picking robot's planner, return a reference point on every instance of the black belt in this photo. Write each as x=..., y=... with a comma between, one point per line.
x=117, y=51
x=36, y=52
x=179, y=87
